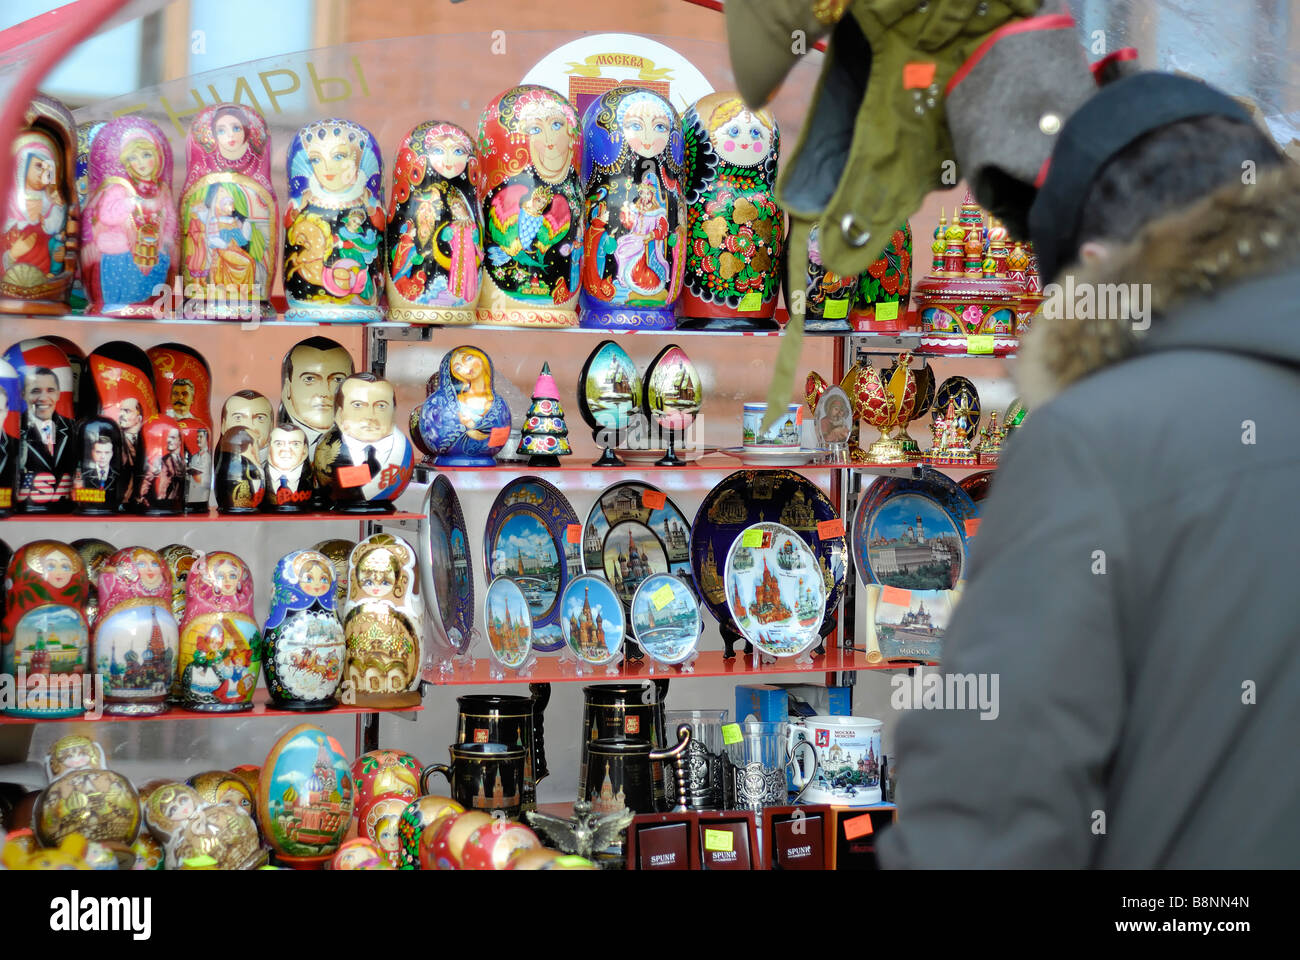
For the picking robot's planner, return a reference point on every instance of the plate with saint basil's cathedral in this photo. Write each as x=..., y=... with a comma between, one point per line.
x=633, y=532
x=775, y=590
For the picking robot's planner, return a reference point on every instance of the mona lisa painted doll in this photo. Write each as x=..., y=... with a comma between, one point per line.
x=383, y=621
x=304, y=649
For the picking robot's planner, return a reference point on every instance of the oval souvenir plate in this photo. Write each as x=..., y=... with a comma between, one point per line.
x=775, y=591
x=754, y=496
x=911, y=534
x=509, y=624
x=629, y=536
x=526, y=538
x=666, y=618
x=445, y=566
x=592, y=618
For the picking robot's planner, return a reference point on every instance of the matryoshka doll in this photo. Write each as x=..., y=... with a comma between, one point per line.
x=237, y=479
x=183, y=385
x=85, y=136
x=136, y=635
x=128, y=227
x=383, y=620
x=334, y=224
x=310, y=374
x=881, y=296
x=828, y=297
x=303, y=647
x=464, y=421
x=338, y=552
x=85, y=399
x=44, y=633
x=229, y=218
x=123, y=380
x=46, y=453
x=85, y=797
x=221, y=645
x=11, y=421
x=223, y=786
x=435, y=236
x=188, y=827
x=633, y=254
x=38, y=250
x=364, y=463
x=735, y=234
x=384, y=773
x=290, y=480
x=161, y=487
x=99, y=479
x=252, y=411
x=94, y=553
x=529, y=146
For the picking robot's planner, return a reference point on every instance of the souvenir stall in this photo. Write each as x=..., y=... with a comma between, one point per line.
x=389, y=476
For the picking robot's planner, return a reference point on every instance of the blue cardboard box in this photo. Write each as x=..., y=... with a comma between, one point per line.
x=765, y=701
x=817, y=700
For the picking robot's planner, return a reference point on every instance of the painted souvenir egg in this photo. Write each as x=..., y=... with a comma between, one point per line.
x=673, y=390
x=965, y=401
x=305, y=798
x=609, y=390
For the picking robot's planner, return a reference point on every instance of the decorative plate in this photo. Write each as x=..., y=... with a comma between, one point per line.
x=527, y=539
x=775, y=591
x=446, y=569
x=666, y=618
x=754, y=496
x=757, y=456
x=626, y=541
x=911, y=534
x=509, y=623
x=592, y=618
x=977, y=484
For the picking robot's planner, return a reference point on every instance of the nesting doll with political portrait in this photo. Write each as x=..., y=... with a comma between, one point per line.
x=136, y=638
x=303, y=643
x=238, y=483
x=334, y=224
x=310, y=374
x=183, y=386
x=99, y=479
x=11, y=419
x=364, y=463
x=290, y=480
x=252, y=411
x=122, y=376
x=221, y=643
x=383, y=621
x=45, y=454
x=161, y=487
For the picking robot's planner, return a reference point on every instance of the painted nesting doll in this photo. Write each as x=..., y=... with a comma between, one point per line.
x=735, y=234
x=45, y=638
x=364, y=463
x=129, y=234
x=633, y=252
x=179, y=559
x=464, y=422
x=84, y=797
x=99, y=479
x=884, y=288
x=161, y=487
x=310, y=374
x=290, y=481
x=237, y=480
x=228, y=214
x=383, y=621
x=338, y=552
x=304, y=650
x=334, y=224
x=85, y=136
x=38, y=250
x=529, y=146
x=435, y=234
x=183, y=385
x=94, y=553
x=252, y=411
x=123, y=379
x=187, y=827
x=45, y=454
x=11, y=418
x=221, y=645
x=85, y=399
x=136, y=639
x=828, y=297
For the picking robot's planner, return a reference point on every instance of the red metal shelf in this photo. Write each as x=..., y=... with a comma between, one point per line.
x=549, y=669
x=714, y=462
x=210, y=517
x=261, y=708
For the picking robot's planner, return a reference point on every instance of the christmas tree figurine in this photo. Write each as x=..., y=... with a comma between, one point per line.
x=544, y=436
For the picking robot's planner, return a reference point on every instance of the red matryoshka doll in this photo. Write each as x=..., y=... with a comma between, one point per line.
x=44, y=636
x=304, y=651
x=221, y=644
x=334, y=224
x=529, y=146
x=359, y=853
x=383, y=621
x=384, y=773
x=38, y=248
x=128, y=228
x=136, y=635
x=161, y=487
x=735, y=234
x=45, y=453
x=123, y=379
x=381, y=824
x=229, y=220
x=183, y=385
x=633, y=254
x=881, y=296
x=435, y=238
x=100, y=476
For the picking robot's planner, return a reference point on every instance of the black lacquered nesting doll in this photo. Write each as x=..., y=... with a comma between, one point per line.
x=303, y=646
x=161, y=472
x=237, y=480
x=99, y=479
x=289, y=476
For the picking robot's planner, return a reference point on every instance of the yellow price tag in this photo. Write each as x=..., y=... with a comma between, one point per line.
x=979, y=344
x=751, y=301
x=663, y=596
x=751, y=538
x=718, y=840
x=887, y=310
x=836, y=309
x=731, y=733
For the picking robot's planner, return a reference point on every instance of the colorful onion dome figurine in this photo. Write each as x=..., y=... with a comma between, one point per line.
x=364, y=463
x=136, y=640
x=229, y=218
x=129, y=233
x=304, y=650
x=383, y=619
x=334, y=224
x=465, y=421
x=435, y=232
x=221, y=645
x=529, y=146
x=634, y=247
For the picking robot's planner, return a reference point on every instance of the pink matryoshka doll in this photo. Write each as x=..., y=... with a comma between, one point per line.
x=136, y=636
x=44, y=633
x=229, y=219
x=334, y=224
x=529, y=146
x=435, y=236
x=38, y=242
x=129, y=233
x=221, y=644
x=633, y=254
x=735, y=234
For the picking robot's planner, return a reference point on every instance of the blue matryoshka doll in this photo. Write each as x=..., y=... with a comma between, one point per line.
x=303, y=648
x=633, y=257
x=463, y=420
x=333, y=241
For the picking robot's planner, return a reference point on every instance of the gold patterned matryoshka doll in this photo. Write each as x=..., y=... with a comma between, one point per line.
x=383, y=623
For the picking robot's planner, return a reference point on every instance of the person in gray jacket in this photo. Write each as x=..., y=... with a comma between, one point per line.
x=1133, y=586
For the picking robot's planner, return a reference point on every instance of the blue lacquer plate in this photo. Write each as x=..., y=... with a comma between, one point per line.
x=446, y=568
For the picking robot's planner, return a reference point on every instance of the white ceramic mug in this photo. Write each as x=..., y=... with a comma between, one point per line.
x=846, y=769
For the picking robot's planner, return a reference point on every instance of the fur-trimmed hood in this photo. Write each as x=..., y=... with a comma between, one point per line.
x=1241, y=233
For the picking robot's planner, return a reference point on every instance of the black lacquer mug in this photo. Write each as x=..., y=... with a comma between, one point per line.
x=483, y=776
